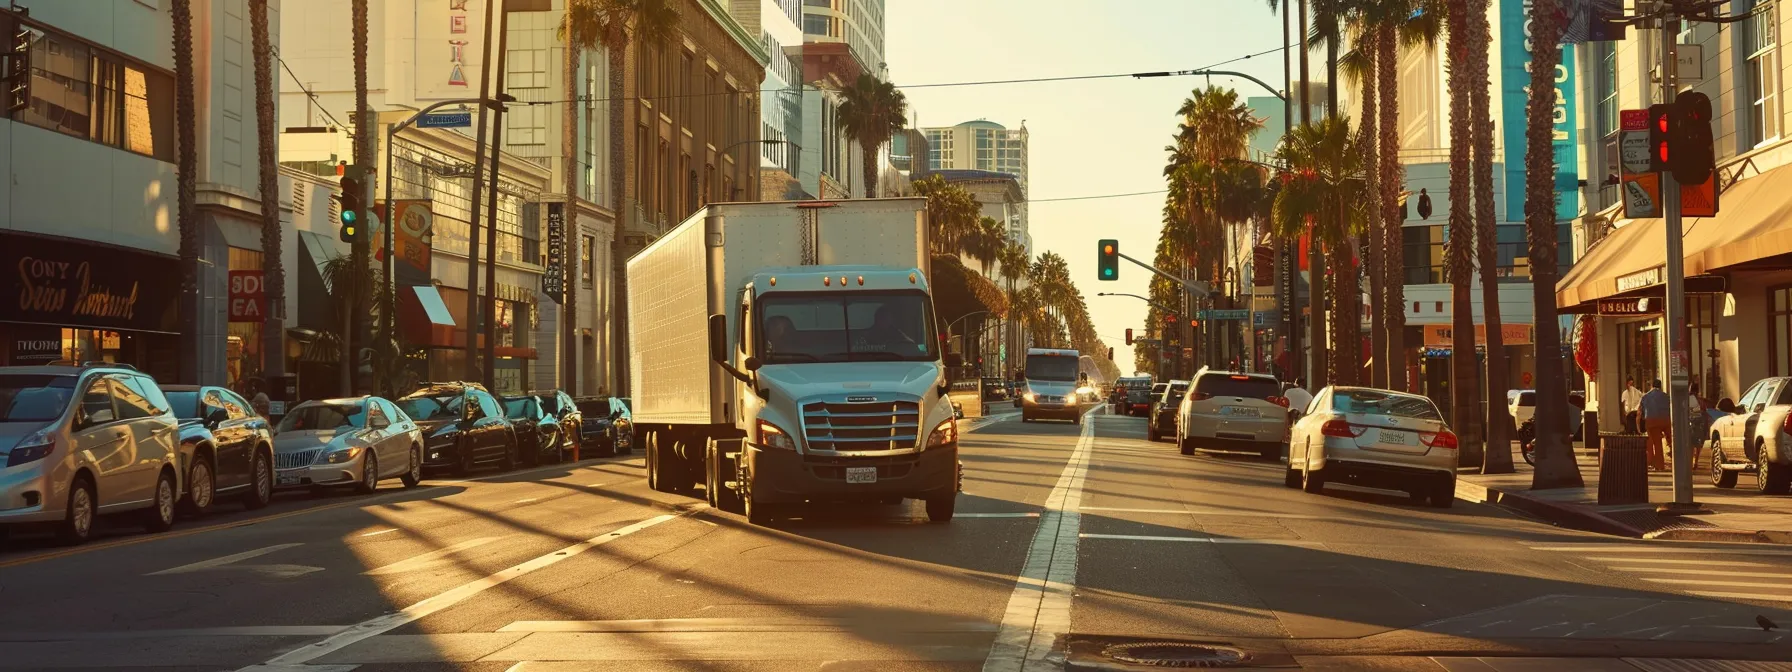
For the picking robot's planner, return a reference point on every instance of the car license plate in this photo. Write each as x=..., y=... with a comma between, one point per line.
x=288, y=479
x=861, y=474
x=1395, y=437
x=1240, y=412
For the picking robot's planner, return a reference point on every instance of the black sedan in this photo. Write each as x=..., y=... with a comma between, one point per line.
x=539, y=439
x=225, y=447
x=560, y=405
x=607, y=428
x=463, y=427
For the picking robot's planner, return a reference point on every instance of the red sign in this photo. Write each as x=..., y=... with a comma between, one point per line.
x=248, y=297
x=1633, y=120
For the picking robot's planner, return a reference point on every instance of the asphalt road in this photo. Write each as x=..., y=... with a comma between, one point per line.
x=1069, y=539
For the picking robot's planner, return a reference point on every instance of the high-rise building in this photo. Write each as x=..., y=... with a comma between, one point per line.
x=777, y=24
x=988, y=146
x=859, y=24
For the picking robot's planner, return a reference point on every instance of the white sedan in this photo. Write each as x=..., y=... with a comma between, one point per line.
x=1374, y=438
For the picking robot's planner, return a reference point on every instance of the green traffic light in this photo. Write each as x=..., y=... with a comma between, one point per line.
x=348, y=216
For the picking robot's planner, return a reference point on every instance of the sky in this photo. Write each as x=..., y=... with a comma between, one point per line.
x=1090, y=137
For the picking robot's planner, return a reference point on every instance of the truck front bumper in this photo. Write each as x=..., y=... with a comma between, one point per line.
x=784, y=476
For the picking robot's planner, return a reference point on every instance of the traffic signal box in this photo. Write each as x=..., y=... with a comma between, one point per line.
x=353, y=202
x=1679, y=142
x=1107, y=262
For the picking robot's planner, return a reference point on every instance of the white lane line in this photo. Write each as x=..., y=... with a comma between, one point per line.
x=228, y=559
x=380, y=532
x=417, y=562
x=1141, y=537
x=1038, y=610
x=526, y=500
x=1740, y=596
x=1666, y=561
x=1708, y=572
x=1648, y=549
x=1029, y=514
x=1733, y=584
x=1209, y=540
x=1205, y=512
x=383, y=624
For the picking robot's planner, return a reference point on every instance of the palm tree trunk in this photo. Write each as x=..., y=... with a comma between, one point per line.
x=1300, y=41
x=364, y=150
x=1498, y=456
x=1556, y=467
x=273, y=330
x=870, y=167
x=1465, y=391
x=1320, y=373
x=570, y=240
x=1392, y=178
x=186, y=188
x=618, y=176
x=1369, y=144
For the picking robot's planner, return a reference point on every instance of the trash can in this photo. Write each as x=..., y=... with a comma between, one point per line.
x=1589, y=429
x=1623, y=469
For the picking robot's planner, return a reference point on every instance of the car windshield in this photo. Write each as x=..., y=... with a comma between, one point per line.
x=520, y=408
x=854, y=327
x=1228, y=385
x=1527, y=399
x=1175, y=393
x=550, y=403
x=594, y=408
x=1377, y=402
x=186, y=404
x=34, y=398
x=324, y=417
x=441, y=407
x=1060, y=368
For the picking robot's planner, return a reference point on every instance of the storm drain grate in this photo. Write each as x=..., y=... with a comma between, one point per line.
x=1177, y=654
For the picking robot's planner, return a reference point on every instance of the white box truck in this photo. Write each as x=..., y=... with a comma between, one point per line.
x=786, y=352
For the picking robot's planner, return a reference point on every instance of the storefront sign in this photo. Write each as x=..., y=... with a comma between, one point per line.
x=35, y=345
x=553, y=280
x=1439, y=335
x=248, y=297
x=64, y=282
x=1639, y=280
x=1515, y=75
x=1629, y=306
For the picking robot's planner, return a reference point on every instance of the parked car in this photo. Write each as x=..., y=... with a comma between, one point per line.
x=463, y=427
x=1227, y=409
x=226, y=448
x=538, y=436
x=1522, y=406
x=1755, y=435
x=1162, y=420
x=83, y=441
x=1374, y=438
x=356, y=441
x=560, y=405
x=995, y=389
x=608, y=427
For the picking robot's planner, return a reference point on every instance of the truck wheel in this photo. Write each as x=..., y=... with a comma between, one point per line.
x=656, y=464
x=721, y=470
x=757, y=514
x=939, y=509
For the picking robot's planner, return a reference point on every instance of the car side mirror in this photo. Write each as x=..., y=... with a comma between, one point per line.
x=1760, y=407
x=751, y=364
x=216, y=417
x=954, y=360
x=1726, y=405
x=718, y=337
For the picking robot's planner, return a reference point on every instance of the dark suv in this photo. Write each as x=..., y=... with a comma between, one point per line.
x=1162, y=420
x=608, y=427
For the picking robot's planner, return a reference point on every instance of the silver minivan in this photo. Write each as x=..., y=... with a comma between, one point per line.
x=82, y=441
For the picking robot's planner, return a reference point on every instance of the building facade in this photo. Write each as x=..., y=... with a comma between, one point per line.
x=856, y=24
x=987, y=146
x=778, y=23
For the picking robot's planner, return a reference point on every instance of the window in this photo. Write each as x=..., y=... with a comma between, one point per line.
x=132, y=404
x=1513, y=252
x=96, y=405
x=488, y=405
x=90, y=93
x=1424, y=254
x=1702, y=311
x=587, y=259
x=1779, y=331
x=815, y=25
x=1760, y=44
x=1606, y=120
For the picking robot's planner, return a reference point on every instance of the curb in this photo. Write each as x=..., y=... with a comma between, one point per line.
x=1565, y=515
x=1721, y=534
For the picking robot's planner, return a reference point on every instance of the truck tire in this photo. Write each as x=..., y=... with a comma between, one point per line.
x=719, y=470
x=940, y=508
x=657, y=469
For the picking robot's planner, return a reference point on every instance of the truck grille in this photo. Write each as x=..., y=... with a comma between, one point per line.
x=302, y=458
x=850, y=426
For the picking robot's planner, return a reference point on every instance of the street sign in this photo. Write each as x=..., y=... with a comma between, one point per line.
x=1237, y=314
x=460, y=119
x=1641, y=187
x=1633, y=120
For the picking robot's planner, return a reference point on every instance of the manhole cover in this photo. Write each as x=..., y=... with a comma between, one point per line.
x=1176, y=654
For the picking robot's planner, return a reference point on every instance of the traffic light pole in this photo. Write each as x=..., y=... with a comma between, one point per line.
x=1198, y=288
x=1674, y=316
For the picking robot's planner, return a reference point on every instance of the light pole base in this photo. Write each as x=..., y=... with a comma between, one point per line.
x=1678, y=509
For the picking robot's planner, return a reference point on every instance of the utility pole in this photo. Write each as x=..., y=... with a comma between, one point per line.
x=471, y=366
x=1674, y=315
x=491, y=227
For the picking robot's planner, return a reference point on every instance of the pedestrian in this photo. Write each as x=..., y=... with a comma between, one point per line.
x=258, y=399
x=1629, y=400
x=1700, y=420
x=1653, y=409
x=1298, y=398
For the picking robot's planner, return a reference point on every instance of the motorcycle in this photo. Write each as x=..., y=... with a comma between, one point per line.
x=1527, y=442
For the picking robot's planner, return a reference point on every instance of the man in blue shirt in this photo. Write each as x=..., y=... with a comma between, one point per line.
x=1654, y=411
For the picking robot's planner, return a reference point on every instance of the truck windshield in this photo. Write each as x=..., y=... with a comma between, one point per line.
x=1052, y=367
x=847, y=327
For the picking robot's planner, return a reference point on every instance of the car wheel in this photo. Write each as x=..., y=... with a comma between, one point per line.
x=370, y=474
x=1443, y=495
x=1291, y=478
x=1770, y=478
x=159, y=517
x=77, y=520
x=1312, y=480
x=1721, y=477
x=414, y=476
x=202, y=487
x=939, y=509
x=261, y=492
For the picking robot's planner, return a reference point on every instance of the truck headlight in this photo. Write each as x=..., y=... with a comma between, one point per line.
x=945, y=434
x=344, y=455
x=773, y=436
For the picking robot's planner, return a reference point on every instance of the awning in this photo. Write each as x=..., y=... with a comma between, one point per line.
x=1755, y=224
x=425, y=316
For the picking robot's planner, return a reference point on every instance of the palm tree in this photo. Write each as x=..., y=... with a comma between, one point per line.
x=952, y=214
x=872, y=110
x=1555, y=459
x=580, y=31
x=273, y=330
x=1411, y=24
x=1013, y=266
x=364, y=158
x=1466, y=417
x=1497, y=459
x=186, y=187
x=619, y=24
x=1358, y=66
x=1323, y=191
x=992, y=239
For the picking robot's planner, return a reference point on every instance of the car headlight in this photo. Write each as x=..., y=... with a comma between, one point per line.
x=944, y=434
x=32, y=448
x=621, y=425
x=344, y=455
x=773, y=436
x=1029, y=396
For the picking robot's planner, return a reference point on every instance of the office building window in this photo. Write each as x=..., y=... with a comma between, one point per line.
x=1424, y=254
x=90, y=93
x=1761, y=43
x=1607, y=122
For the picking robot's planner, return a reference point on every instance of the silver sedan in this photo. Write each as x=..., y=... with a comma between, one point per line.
x=1374, y=438
x=356, y=441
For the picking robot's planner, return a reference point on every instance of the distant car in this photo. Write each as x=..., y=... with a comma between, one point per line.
x=1374, y=438
x=1522, y=406
x=538, y=436
x=83, y=441
x=995, y=389
x=226, y=447
x=608, y=427
x=1161, y=421
x=353, y=441
x=1755, y=435
x=1227, y=409
x=463, y=426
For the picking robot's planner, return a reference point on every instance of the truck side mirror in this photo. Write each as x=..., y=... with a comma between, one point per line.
x=718, y=337
x=751, y=364
x=954, y=360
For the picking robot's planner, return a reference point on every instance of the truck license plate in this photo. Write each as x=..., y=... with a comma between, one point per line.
x=861, y=474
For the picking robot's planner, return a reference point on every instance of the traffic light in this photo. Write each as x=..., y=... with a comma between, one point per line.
x=1110, y=354
x=1129, y=335
x=17, y=83
x=1195, y=323
x=1661, y=136
x=352, y=198
x=1690, y=152
x=1108, y=260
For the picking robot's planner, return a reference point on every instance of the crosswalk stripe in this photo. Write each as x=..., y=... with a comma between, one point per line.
x=1736, y=584
x=1740, y=596
x=1706, y=572
x=1667, y=561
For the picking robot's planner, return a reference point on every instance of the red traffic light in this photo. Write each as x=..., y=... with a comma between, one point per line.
x=1129, y=336
x=1194, y=323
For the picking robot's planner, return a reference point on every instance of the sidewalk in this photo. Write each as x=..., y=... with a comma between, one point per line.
x=1738, y=514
